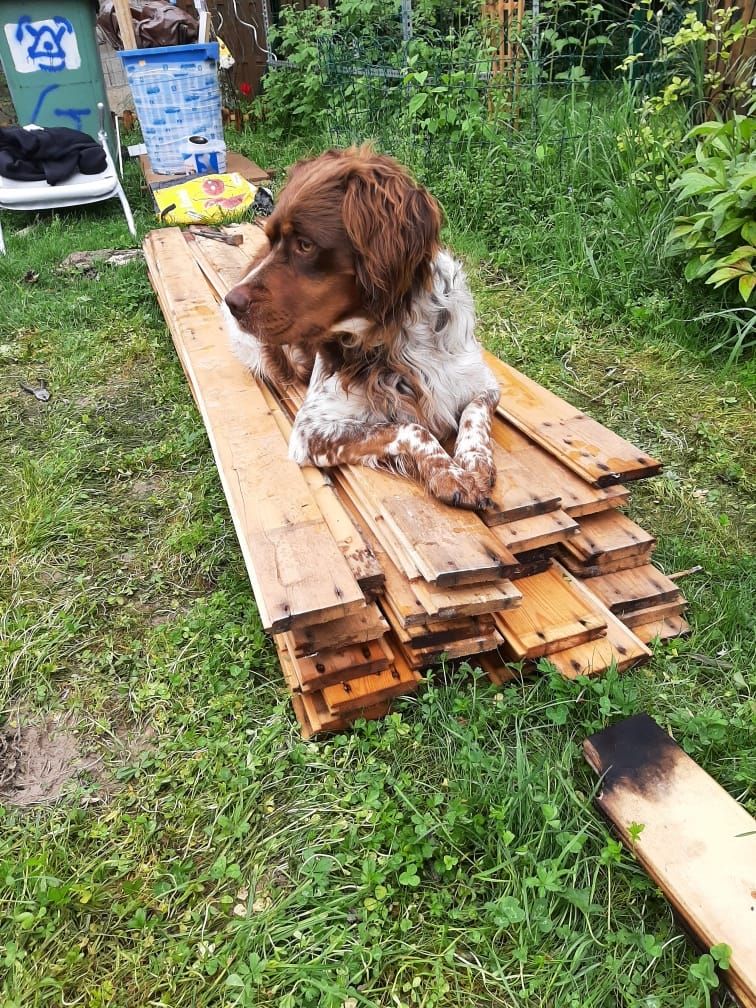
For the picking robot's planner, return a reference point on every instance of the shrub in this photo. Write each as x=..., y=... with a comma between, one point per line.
x=717, y=191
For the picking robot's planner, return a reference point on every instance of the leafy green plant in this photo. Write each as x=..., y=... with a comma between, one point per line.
x=686, y=64
x=296, y=93
x=717, y=191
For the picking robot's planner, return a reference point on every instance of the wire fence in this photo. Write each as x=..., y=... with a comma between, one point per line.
x=453, y=95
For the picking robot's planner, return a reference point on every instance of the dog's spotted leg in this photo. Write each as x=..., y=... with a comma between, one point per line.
x=407, y=448
x=472, y=451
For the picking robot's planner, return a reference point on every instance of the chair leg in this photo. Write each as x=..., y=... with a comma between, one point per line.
x=2, y=239
x=127, y=211
x=102, y=136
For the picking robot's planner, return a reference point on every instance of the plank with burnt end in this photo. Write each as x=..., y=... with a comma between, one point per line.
x=697, y=843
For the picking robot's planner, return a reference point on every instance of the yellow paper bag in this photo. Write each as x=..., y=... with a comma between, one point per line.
x=205, y=199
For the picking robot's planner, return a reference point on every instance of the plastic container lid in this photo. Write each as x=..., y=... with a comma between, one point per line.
x=205, y=50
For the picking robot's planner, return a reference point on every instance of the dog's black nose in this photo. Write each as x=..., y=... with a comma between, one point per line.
x=237, y=301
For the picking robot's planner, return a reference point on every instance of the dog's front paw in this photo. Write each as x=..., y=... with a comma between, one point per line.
x=460, y=488
x=480, y=462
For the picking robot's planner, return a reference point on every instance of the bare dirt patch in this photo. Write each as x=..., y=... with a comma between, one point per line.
x=38, y=762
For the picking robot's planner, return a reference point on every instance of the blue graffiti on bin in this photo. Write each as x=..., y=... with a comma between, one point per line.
x=45, y=48
x=76, y=115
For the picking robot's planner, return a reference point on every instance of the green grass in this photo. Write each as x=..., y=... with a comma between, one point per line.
x=448, y=856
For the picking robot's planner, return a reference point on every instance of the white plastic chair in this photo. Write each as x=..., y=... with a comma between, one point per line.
x=76, y=191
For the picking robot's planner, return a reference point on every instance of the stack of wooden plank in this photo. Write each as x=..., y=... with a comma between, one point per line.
x=363, y=580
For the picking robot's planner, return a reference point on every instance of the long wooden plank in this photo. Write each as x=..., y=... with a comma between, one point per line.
x=310, y=709
x=662, y=629
x=620, y=647
x=359, y=694
x=419, y=658
x=327, y=668
x=361, y=559
x=370, y=512
x=637, y=588
x=518, y=492
x=322, y=720
x=638, y=617
x=225, y=265
x=357, y=628
x=553, y=615
x=125, y=24
x=580, y=442
x=537, y=532
x=604, y=566
x=696, y=842
x=450, y=546
x=578, y=496
x=297, y=571
x=415, y=601
x=609, y=536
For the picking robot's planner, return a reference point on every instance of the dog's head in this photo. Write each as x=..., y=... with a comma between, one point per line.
x=352, y=238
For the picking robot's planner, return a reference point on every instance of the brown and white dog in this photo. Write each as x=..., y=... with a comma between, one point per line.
x=356, y=296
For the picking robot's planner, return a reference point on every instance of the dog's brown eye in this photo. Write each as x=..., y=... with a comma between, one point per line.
x=304, y=245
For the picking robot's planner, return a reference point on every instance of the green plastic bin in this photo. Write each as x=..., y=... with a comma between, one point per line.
x=52, y=63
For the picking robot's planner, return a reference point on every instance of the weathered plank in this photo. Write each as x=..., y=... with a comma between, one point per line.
x=580, y=442
x=651, y=614
x=518, y=491
x=326, y=668
x=637, y=588
x=416, y=601
x=364, y=693
x=366, y=625
x=361, y=559
x=582, y=570
x=553, y=615
x=697, y=843
x=608, y=536
x=620, y=647
x=225, y=265
x=536, y=532
x=321, y=719
x=450, y=546
x=662, y=629
x=577, y=495
x=297, y=571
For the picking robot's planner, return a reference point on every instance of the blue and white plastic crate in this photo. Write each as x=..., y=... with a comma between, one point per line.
x=177, y=97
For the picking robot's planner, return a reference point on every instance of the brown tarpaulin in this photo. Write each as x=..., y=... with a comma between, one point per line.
x=156, y=23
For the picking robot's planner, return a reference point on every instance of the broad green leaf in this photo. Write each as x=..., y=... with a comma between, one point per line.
x=679, y=230
x=743, y=253
x=748, y=232
x=703, y=129
x=746, y=285
x=727, y=226
x=696, y=269
x=721, y=276
x=417, y=101
x=693, y=182
x=745, y=179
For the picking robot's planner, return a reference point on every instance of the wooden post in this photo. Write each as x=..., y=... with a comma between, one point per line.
x=125, y=24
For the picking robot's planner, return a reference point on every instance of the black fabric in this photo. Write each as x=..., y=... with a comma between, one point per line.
x=48, y=155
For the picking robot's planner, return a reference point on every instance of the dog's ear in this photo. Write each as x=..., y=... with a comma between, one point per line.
x=394, y=225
